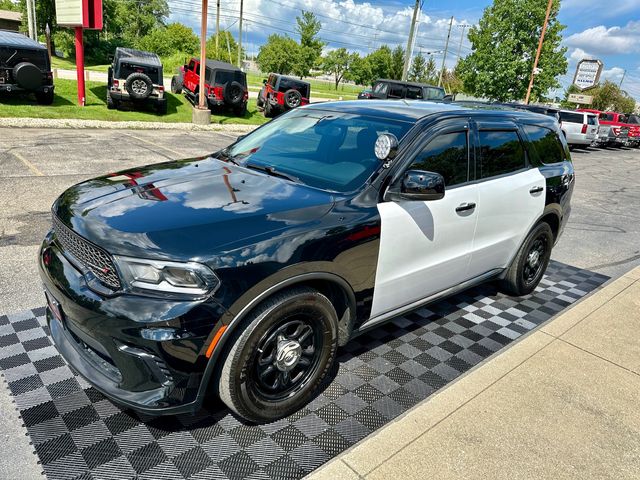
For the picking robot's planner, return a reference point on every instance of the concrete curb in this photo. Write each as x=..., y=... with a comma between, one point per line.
x=366, y=456
x=74, y=123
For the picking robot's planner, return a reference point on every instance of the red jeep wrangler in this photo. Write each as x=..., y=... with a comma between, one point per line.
x=615, y=128
x=225, y=85
x=282, y=93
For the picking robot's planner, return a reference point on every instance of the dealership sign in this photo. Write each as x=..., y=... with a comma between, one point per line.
x=587, y=73
x=79, y=13
x=582, y=99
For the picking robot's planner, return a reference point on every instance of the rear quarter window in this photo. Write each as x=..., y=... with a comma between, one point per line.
x=545, y=144
x=571, y=117
x=592, y=120
x=501, y=152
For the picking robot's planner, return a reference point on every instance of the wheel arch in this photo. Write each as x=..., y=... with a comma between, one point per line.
x=333, y=286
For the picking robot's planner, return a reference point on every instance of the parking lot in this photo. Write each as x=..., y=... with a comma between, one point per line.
x=37, y=165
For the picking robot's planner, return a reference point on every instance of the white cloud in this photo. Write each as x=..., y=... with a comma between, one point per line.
x=602, y=40
x=590, y=8
x=614, y=74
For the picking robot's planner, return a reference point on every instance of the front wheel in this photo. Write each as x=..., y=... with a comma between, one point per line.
x=527, y=269
x=280, y=356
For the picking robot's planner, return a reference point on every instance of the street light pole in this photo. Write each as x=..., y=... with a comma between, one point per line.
x=464, y=27
x=446, y=48
x=535, y=63
x=407, y=56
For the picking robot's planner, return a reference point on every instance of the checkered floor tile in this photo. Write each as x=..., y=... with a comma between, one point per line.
x=78, y=434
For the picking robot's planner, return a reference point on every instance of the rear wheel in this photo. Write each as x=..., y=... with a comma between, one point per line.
x=176, y=84
x=161, y=108
x=44, y=98
x=111, y=103
x=280, y=356
x=268, y=109
x=531, y=262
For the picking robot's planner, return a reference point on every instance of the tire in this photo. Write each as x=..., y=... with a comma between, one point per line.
x=111, y=104
x=268, y=110
x=233, y=93
x=27, y=76
x=44, y=98
x=523, y=275
x=240, y=111
x=176, y=84
x=161, y=108
x=139, y=86
x=259, y=100
x=268, y=335
x=292, y=98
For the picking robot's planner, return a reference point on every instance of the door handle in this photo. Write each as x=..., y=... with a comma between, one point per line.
x=536, y=190
x=463, y=207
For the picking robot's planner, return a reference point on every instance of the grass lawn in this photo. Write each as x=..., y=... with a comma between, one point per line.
x=65, y=105
x=66, y=64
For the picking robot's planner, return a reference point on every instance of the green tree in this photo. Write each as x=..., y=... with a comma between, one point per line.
x=307, y=26
x=609, y=96
x=134, y=19
x=279, y=54
x=417, y=71
x=9, y=5
x=360, y=71
x=431, y=71
x=397, y=63
x=169, y=40
x=337, y=63
x=380, y=63
x=504, y=45
x=227, y=50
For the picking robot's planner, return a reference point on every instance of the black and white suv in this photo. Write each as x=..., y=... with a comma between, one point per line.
x=25, y=67
x=136, y=76
x=242, y=272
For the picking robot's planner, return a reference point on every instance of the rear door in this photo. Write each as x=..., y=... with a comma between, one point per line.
x=425, y=247
x=592, y=125
x=511, y=196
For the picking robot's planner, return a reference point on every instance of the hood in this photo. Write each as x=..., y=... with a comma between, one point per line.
x=186, y=209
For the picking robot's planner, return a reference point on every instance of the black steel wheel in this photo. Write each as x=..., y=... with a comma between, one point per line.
x=529, y=265
x=280, y=355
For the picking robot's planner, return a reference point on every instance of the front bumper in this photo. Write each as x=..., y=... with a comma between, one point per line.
x=101, y=338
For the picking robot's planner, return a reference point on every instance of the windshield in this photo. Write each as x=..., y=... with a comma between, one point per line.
x=323, y=149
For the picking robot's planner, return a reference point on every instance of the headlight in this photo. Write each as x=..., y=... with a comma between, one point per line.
x=172, y=277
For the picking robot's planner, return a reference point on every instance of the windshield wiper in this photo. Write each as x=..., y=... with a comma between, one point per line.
x=273, y=172
x=224, y=155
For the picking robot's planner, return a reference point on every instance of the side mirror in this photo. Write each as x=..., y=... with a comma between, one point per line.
x=264, y=81
x=418, y=185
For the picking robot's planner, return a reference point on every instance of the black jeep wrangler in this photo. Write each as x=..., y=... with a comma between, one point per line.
x=25, y=67
x=136, y=76
x=225, y=85
x=396, y=89
x=281, y=93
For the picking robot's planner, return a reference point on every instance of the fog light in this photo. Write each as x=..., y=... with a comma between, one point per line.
x=163, y=334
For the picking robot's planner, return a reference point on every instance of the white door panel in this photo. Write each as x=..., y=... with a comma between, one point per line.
x=425, y=247
x=506, y=212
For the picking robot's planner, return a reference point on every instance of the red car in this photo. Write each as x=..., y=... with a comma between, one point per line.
x=281, y=93
x=225, y=84
x=615, y=128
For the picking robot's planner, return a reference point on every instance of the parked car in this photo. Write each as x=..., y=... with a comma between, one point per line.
x=396, y=89
x=634, y=121
x=579, y=128
x=247, y=269
x=365, y=94
x=225, y=84
x=135, y=76
x=281, y=93
x=25, y=67
x=542, y=109
x=613, y=128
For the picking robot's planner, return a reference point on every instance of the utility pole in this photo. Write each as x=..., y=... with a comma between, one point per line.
x=217, y=25
x=624, y=74
x=463, y=26
x=534, y=71
x=240, y=37
x=35, y=20
x=30, y=20
x=446, y=48
x=202, y=92
x=407, y=55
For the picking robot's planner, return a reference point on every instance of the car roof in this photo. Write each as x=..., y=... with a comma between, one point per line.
x=15, y=39
x=411, y=84
x=138, y=56
x=413, y=110
x=578, y=111
x=218, y=65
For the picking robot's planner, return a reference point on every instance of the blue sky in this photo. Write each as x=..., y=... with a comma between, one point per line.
x=609, y=31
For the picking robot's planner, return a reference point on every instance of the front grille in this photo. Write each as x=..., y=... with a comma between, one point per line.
x=89, y=255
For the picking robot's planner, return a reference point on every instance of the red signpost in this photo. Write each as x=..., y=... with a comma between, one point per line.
x=81, y=15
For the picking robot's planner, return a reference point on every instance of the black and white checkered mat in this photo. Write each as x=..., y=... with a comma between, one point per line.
x=78, y=434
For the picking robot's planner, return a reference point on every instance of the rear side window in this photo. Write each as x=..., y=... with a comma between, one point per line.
x=433, y=93
x=448, y=155
x=192, y=66
x=414, y=93
x=635, y=119
x=545, y=143
x=380, y=88
x=607, y=117
x=570, y=117
x=501, y=152
x=396, y=91
x=592, y=120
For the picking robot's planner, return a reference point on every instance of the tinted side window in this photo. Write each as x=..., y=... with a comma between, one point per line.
x=273, y=80
x=396, y=91
x=448, y=155
x=225, y=76
x=414, y=93
x=380, y=88
x=500, y=152
x=571, y=117
x=592, y=120
x=546, y=144
x=192, y=66
x=433, y=93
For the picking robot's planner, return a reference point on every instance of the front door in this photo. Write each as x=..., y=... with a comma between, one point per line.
x=425, y=247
